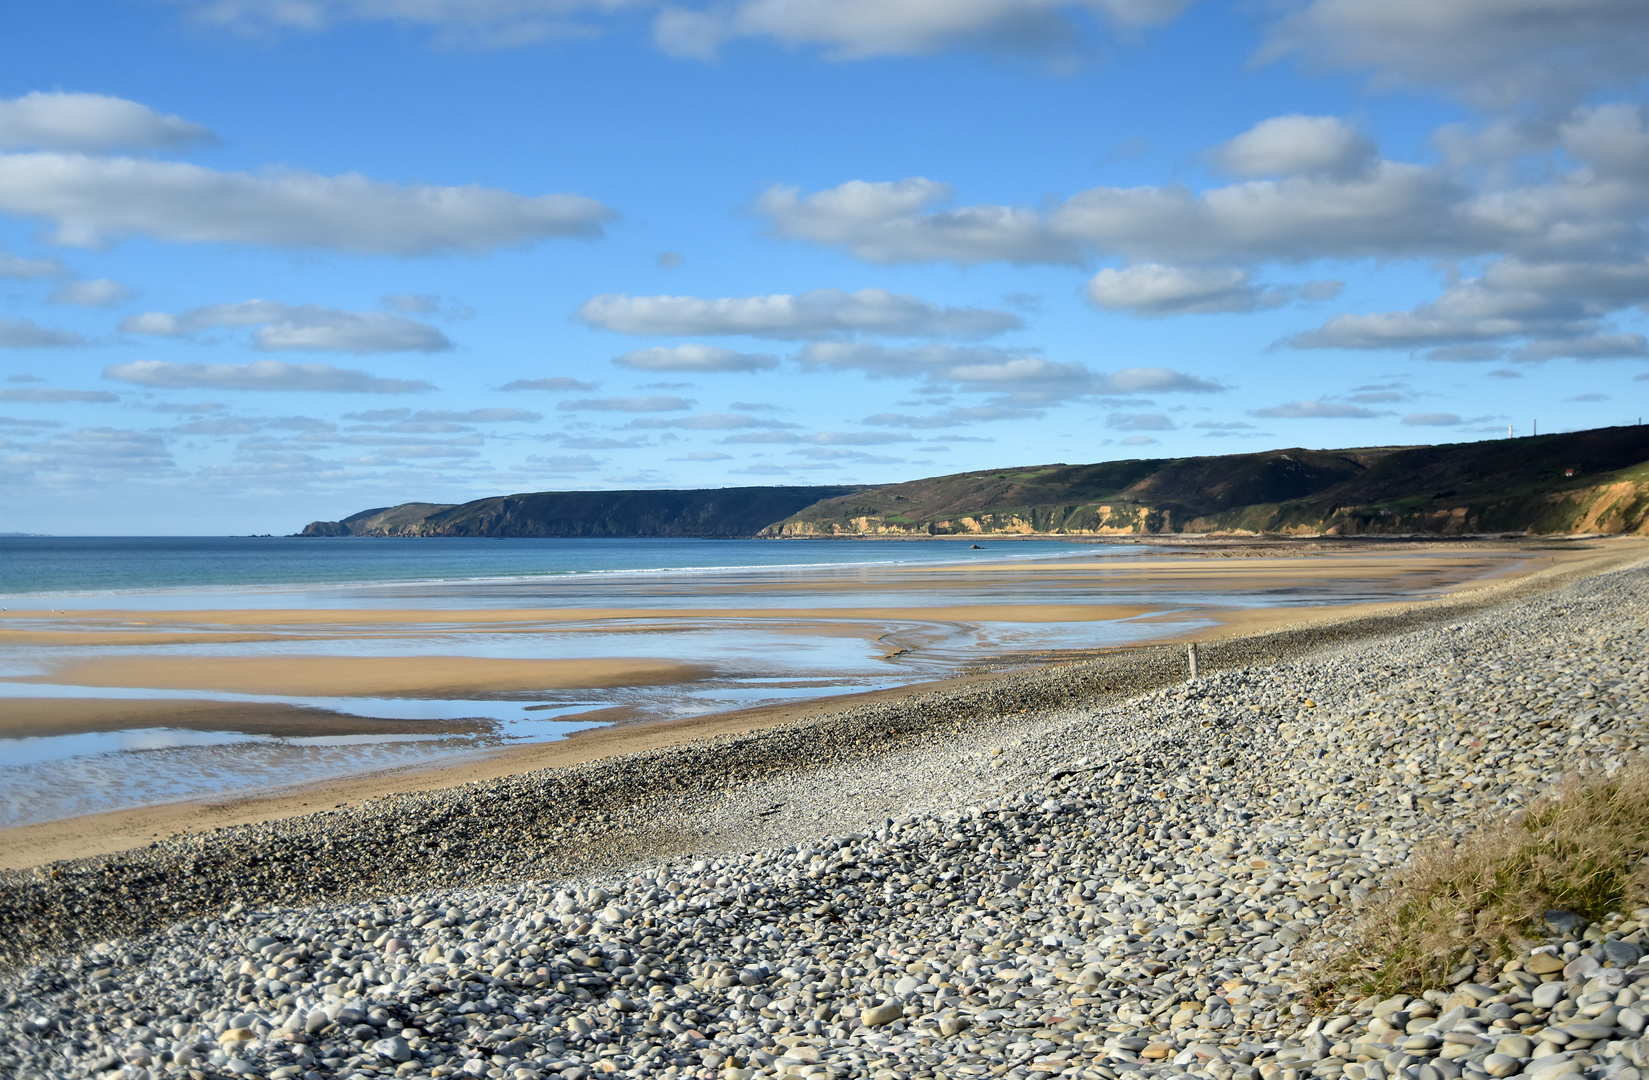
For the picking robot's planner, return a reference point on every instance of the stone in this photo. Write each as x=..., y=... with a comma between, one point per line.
x=1517, y=1046
x=1543, y=963
x=1501, y=1065
x=1622, y=954
x=394, y=1049
x=1582, y=967
x=879, y=1015
x=1546, y=995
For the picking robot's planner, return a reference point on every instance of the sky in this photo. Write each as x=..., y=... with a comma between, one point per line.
x=264, y=262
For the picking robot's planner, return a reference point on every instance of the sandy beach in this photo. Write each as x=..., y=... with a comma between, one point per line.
x=114, y=831
x=1094, y=869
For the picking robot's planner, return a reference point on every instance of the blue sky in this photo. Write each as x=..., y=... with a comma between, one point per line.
x=266, y=261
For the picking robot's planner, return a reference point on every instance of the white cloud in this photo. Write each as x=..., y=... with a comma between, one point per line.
x=1154, y=289
x=1392, y=209
x=467, y=23
x=1494, y=53
x=1432, y=419
x=308, y=327
x=1139, y=422
x=95, y=200
x=1555, y=306
x=88, y=455
x=896, y=222
x=566, y=463
x=1017, y=378
x=816, y=314
x=21, y=269
x=1157, y=380
x=1315, y=410
x=27, y=334
x=464, y=416
x=559, y=382
x=859, y=29
x=262, y=375
x=57, y=397
x=1297, y=145
x=712, y=422
x=99, y=292
x=652, y=403
x=91, y=122
x=695, y=358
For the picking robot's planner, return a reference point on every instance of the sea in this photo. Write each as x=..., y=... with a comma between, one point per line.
x=693, y=593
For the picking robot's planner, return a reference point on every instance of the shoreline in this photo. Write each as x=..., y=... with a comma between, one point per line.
x=1104, y=674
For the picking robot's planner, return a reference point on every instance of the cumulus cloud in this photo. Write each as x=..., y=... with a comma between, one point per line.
x=99, y=292
x=695, y=358
x=642, y=403
x=1315, y=410
x=1556, y=304
x=1017, y=378
x=18, y=268
x=712, y=422
x=1492, y=54
x=76, y=458
x=566, y=463
x=859, y=29
x=1392, y=209
x=57, y=397
x=1297, y=145
x=459, y=416
x=900, y=221
x=1153, y=289
x=27, y=334
x=1157, y=380
x=558, y=383
x=468, y=23
x=91, y=122
x=308, y=327
x=95, y=200
x=262, y=375
x=1139, y=422
x=820, y=313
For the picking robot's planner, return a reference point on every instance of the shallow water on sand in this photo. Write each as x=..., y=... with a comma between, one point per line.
x=754, y=622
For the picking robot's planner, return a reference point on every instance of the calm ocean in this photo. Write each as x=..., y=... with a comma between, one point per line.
x=60, y=567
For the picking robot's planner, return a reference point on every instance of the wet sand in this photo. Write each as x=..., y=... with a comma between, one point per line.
x=26, y=718
x=97, y=834
x=366, y=676
x=1425, y=569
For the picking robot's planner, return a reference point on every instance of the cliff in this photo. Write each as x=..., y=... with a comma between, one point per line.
x=712, y=512
x=1586, y=481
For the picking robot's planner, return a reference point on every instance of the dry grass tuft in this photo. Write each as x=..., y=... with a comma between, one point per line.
x=1584, y=848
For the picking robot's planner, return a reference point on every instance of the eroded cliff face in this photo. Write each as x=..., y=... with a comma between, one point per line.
x=1098, y=520
x=1576, y=482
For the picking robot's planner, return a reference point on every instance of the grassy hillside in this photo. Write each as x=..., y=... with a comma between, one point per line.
x=1583, y=481
x=1504, y=485
x=716, y=512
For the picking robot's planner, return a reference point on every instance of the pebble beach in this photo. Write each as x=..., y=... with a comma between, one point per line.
x=1089, y=871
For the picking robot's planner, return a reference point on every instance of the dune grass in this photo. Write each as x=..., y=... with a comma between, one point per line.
x=1582, y=848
